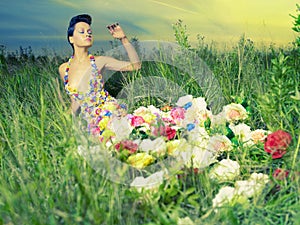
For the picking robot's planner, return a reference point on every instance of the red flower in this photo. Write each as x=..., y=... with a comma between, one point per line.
x=280, y=174
x=166, y=131
x=137, y=121
x=277, y=143
x=170, y=133
x=127, y=145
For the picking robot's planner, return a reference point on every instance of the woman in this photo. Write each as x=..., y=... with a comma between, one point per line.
x=82, y=73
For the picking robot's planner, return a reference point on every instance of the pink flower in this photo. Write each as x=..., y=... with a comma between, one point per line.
x=127, y=145
x=277, y=143
x=166, y=131
x=95, y=130
x=137, y=121
x=177, y=113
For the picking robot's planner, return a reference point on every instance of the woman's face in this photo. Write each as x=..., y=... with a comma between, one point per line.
x=82, y=36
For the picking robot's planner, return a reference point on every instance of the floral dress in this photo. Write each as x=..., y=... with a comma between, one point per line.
x=97, y=105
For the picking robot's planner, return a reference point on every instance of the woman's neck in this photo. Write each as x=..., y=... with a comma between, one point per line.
x=81, y=55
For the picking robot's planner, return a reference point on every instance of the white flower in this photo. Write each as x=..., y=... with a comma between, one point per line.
x=199, y=104
x=225, y=195
x=198, y=136
x=184, y=100
x=157, y=146
x=154, y=110
x=151, y=182
x=242, y=131
x=253, y=186
x=234, y=112
x=219, y=143
x=121, y=127
x=245, y=188
x=225, y=170
x=172, y=146
x=185, y=221
x=141, y=111
x=202, y=158
x=259, y=135
x=196, y=113
x=259, y=178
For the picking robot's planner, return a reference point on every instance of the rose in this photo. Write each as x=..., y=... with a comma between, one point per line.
x=225, y=170
x=234, y=112
x=277, y=143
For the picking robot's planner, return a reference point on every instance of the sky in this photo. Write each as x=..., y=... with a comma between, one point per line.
x=43, y=24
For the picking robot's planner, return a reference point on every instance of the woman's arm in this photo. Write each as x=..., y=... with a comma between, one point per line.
x=114, y=64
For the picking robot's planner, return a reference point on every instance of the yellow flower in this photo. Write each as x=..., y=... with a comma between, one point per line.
x=108, y=134
x=172, y=146
x=111, y=106
x=140, y=160
x=103, y=123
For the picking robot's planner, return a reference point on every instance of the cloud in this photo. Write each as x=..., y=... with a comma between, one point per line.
x=69, y=4
x=174, y=7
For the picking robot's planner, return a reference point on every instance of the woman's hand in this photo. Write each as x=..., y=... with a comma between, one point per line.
x=116, y=31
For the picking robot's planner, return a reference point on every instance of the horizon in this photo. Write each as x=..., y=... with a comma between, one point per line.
x=42, y=25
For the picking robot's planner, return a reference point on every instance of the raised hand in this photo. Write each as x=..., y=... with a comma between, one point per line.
x=116, y=31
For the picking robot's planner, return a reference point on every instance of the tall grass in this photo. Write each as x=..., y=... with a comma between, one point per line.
x=44, y=181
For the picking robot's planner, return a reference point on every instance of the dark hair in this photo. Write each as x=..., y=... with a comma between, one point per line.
x=76, y=19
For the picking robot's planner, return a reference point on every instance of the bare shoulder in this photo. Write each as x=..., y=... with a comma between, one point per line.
x=101, y=61
x=62, y=69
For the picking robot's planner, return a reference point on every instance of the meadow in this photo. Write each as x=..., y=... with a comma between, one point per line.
x=43, y=180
